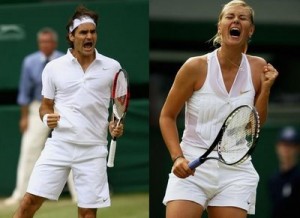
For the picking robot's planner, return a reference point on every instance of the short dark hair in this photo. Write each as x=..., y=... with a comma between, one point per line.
x=79, y=12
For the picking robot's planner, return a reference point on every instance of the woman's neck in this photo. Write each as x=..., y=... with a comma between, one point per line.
x=230, y=57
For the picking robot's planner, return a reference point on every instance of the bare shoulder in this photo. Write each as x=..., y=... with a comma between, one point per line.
x=194, y=66
x=256, y=61
x=196, y=62
x=257, y=66
x=193, y=71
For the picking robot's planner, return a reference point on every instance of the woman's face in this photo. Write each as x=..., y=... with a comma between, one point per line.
x=235, y=26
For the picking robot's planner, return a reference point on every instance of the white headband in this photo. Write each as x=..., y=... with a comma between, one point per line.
x=80, y=20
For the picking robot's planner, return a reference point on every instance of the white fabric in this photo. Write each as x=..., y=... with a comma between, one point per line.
x=81, y=98
x=208, y=107
x=53, y=167
x=45, y=119
x=33, y=141
x=215, y=184
x=79, y=21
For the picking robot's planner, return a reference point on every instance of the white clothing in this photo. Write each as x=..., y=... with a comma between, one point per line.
x=81, y=98
x=33, y=141
x=88, y=164
x=208, y=107
x=214, y=183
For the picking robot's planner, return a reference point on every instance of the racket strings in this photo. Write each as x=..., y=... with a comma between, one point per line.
x=120, y=95
x=120, y=101
x=238, y=136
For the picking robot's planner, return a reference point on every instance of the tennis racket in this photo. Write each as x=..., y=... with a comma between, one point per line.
x=120, y=99
x=236, y=139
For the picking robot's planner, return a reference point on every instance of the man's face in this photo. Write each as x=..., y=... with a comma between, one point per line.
x=47, y=43
x=84, y=39
x=287, y=151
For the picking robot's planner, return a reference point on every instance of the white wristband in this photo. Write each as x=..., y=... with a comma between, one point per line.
x=45, y=119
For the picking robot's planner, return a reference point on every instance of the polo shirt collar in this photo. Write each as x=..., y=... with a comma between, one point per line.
x=98, y=55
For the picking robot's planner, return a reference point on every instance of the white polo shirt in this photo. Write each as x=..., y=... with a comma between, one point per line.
x=81, y=98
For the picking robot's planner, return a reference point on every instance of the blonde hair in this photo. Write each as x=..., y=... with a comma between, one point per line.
x=217, y=38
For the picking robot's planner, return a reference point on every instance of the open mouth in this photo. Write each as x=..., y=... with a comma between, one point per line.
x=88, y=45
x=235, y=32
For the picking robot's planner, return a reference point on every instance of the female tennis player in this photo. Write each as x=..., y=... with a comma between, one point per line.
x=210, y=87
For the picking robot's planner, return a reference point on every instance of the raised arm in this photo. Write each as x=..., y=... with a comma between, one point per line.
x=265, y=78
x=47, y=114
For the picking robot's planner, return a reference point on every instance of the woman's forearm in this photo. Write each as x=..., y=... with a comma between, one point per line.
x=169, y=132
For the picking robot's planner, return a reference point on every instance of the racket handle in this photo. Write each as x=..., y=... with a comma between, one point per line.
x=195, y=163
x=112, y=152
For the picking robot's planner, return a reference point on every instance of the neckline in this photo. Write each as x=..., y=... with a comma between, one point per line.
x=229, y=60
x=221, y=78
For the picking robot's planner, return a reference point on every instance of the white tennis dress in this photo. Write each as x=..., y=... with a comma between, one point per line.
x=214, y=183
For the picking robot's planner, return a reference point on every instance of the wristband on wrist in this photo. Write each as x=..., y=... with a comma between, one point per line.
x=45, y=119
x=176, y=158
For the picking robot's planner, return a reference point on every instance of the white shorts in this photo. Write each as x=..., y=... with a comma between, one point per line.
x=88, y=164
x=215, y=184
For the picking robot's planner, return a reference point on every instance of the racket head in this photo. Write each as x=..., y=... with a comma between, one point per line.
x=240, y=134
x=120, y=94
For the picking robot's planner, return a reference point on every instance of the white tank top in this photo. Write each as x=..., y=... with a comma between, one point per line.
x=208, y=107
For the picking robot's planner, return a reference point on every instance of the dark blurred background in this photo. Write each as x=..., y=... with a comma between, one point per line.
x=181, y=29
x=123, y=34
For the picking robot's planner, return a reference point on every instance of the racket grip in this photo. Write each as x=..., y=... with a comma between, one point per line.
x=112, y=152
x=195, y=163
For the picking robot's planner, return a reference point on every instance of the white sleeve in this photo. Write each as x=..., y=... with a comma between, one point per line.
x=48, y=89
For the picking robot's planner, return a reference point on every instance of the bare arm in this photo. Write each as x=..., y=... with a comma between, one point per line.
x=47, y=107
x=23, y=124
x=265, y=78
x=185, y=83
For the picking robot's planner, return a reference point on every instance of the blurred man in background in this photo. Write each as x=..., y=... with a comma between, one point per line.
x=34, y=132
x=285, y=184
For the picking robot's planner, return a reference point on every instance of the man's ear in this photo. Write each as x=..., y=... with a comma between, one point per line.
x=71, y=37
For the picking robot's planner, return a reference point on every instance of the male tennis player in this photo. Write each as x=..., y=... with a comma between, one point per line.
x=76, y=95
x=210, y=87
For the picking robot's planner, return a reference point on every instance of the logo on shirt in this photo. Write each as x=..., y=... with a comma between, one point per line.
x=104, y=200
x=245, y=91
